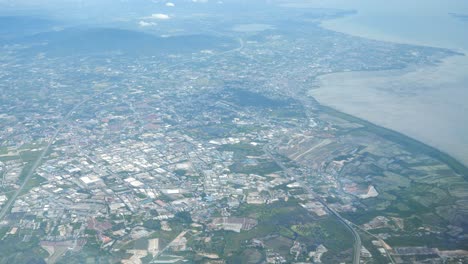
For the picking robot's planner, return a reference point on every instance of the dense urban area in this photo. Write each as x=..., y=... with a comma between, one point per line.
x=211, y=150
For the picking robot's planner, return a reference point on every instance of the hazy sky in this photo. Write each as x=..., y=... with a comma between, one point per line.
x=375, y=7
x=424, y=22
x=99, y=10
x=411, y=7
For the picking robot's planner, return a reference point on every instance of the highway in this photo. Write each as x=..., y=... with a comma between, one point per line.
x=43, y=153
x=389, y=255
x=357, y=239
x=51, y=140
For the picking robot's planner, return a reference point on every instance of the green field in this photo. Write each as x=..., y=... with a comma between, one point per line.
x=281, y=223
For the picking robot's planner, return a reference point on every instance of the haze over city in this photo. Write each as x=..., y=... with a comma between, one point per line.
x=233, y=131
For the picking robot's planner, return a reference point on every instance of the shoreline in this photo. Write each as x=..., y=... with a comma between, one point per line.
x=449, y=151
x=386, y=98
x=407, y=142
x=332, y=25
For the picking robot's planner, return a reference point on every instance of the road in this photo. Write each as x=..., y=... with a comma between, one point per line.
x=51, y=140
x=357, y=239
x=182, y=234
x=41, y=156
x=389, y=256
x=3, y=173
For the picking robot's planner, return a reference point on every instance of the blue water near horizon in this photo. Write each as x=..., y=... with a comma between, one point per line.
x=436, y=115
x=427, y=23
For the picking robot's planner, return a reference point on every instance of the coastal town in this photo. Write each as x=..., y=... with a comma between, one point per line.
x=218, y=156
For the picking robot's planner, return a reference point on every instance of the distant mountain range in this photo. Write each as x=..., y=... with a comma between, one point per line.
x=16, y=26
x=88, y=41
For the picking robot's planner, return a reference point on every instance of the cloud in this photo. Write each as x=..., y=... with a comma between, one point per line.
x=159, y=16
x=169, y=4
x=146, y=24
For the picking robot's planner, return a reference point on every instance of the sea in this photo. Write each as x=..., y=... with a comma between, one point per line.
x=436, y=111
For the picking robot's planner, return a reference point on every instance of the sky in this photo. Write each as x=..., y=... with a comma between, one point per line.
x=376, y=7
x=424, y=22
x=410, y=7
x=95, y=11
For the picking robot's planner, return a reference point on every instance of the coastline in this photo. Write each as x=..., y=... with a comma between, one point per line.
x=351, y=25
x=422, y=103
x=411, y=144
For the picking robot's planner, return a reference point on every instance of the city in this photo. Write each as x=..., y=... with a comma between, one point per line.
x=217, y=155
